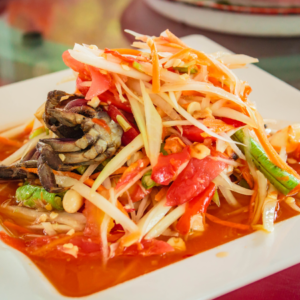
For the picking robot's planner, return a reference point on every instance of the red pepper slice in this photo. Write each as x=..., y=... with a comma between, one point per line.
x=129, y=135
x=197, y=205
x=167, y=166
x=193, y=133
x=194, y=179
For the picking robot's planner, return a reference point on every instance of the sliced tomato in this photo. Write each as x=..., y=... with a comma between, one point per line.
x=232, y=122
x=82, y=89
x=76, y=65
x=197, y=205
x=110, y=98
x=137, y=193
x=167, y=166
x=148, y=248
x=192, y=133
x=129, y=135
x=194, y=179
x=132, y=171
x=100, y=83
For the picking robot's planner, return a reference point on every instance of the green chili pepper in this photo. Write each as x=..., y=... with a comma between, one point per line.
x=137, y=66
x=243, y=183
x=81, y=169
x=186, y=70
x=162, y=149
x=216, y=198
x=37, y=132
x=282, y=180
x=147, y=182
x=35, y=196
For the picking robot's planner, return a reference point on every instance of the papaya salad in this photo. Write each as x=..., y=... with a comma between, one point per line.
x=157, y=155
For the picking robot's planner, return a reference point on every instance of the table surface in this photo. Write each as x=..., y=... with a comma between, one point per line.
x=31, y=44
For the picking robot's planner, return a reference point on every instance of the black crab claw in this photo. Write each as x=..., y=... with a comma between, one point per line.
x=14, y=172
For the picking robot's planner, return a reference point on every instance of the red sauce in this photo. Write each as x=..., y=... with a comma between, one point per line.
x=86, y=275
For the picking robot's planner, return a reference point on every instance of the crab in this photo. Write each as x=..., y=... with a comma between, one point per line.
x=86, y=135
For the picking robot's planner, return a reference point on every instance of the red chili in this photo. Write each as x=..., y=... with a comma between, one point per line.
x=197, y=205
x=129, y=135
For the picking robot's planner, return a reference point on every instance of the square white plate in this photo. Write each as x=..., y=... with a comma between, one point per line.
x=202, y=276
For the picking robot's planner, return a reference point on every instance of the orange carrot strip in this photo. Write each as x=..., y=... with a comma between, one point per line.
x=9, y=142
x=161, y=193
x=226, y=223
x=29, y=127
x=102, y=123
x=16, y=227
x=121, y=208
x=128, y=51
x=156, y=69
x=51, y=245
x=174, y=39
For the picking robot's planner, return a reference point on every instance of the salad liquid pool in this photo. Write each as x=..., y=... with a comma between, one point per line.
x=86, y=275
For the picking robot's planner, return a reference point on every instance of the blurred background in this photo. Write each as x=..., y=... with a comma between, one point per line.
x=34, y=33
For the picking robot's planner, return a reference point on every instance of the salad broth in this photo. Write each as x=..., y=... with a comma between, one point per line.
x=86, y=275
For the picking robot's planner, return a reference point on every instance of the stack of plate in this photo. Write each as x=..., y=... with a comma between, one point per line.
x=276, y=18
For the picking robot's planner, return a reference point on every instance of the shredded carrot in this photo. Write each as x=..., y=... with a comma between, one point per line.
x=174, y=39
x=29, y=127
x=121, y=208
x=9, y=142
x=180, y=53
x=226, y=223
x=252, y=201
x=247, y=176
x=16, y=227
x=217, y=83
x=53, y=244
x=156, y=69
x=128, y=51
x=102, y=123
x=161, y=193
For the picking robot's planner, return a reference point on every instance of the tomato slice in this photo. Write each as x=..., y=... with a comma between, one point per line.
x=167, y=166
x=129, y=135
x=110, y=98
x=76, y=65
x=94, y=217
x=234, y=123
x=82, y=89
x=100, y=83
x=193, y=133
x=132, y=171
x=137, y=193
x=196, y=206
x=194, y=179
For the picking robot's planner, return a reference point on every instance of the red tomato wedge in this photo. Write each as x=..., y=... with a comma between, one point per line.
x=137, y=193
x=132, y=171
x=100, y=83
x=76, y=65
x=196, y=206
x=110, y=98
x=234, y=123
x=129, y=135
x=193, y=133
x=167, y=166
x=148, y=248
x=193, y=180
x=82, y=89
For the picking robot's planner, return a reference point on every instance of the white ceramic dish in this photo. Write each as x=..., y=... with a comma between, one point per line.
x=203, y=276
x=228, y=22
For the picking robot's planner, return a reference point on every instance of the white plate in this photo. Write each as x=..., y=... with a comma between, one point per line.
x=202, y=276
x=228, y=22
